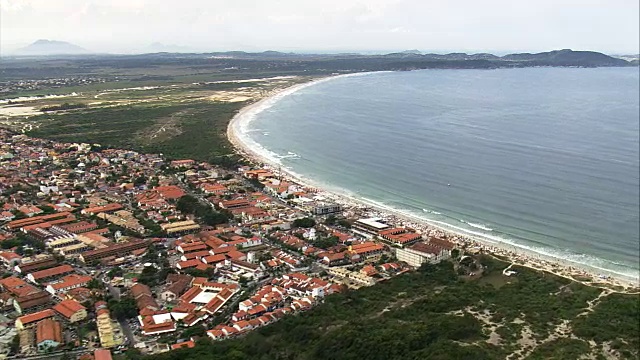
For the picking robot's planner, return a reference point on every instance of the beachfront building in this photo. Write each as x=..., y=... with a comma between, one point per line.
x=326, y=209
x=400, y=236
x=369, y=227
x=423, y=252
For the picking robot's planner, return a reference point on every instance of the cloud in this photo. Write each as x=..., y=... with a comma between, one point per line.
x=493, y=25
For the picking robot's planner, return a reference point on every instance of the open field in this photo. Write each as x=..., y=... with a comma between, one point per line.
x=186, y=120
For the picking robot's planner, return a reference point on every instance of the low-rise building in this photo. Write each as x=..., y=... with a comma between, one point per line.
x=71, y=310
x=67, y=283
x=107, y=332
x=369, y=227
x=421, y=252
x=32, y=302
x=120, y=249
x=48, y=274
x=31, y=320
x=48, y=335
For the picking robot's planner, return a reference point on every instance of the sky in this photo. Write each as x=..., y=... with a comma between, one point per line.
x=498, y=26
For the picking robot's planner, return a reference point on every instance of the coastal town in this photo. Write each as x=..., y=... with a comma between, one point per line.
x=108, y=251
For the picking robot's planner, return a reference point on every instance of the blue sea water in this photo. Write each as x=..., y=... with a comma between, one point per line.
x=543, y=158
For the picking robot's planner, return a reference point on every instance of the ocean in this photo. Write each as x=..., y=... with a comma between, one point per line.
x=544, y=159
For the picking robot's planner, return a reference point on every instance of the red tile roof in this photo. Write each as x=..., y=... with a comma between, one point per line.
x=58, y=270
x=186, y=344
x=68, y=308
x=48, y=329
x=37, y=316
x=102, y=354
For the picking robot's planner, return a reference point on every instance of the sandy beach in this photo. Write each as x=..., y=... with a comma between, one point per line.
x=246, y=147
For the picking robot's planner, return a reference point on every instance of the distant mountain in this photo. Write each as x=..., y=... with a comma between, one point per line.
x=552, y=58
x=52, y=47
x=567, y=57
x=416, y=52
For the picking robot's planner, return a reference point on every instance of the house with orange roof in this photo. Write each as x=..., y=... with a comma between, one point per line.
x=150, y=328
x=182, y=163
x=48, y=335
x=102, y=354
x=191, y=247
x=10, y=258
x=367, y=249
x=369, y=270
x=30, y=320
x=71, y=310
x=101, y=209
x=242, y=325
x=213, y=259
x=182, y=265
x=184, y=344
x=400, y=236
x=195, y=255
x=217, y=189
x=47, y=274
x=30, y=210
x=6, y=216
x=67, y=283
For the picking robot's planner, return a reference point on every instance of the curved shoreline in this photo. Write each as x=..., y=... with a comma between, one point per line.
x=236, y=133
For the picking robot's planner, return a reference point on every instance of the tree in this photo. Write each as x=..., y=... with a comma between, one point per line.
x=19, y=215
x=330, y=220
x=344, y=223
x=140, y=180
x=10, y=243
x=115, y=272
x=126, y=308
x=306, y=222
x=47, y=209
x=325, y=243
x=95, y=284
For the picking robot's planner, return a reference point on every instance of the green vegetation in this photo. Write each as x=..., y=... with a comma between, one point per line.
x=65, y=106
x=431, y=314
x=125, y=308
x=195, y=130
x=304, y=223
x=325, y=243
x=560, y=349
x=615, y=316
x=191, y=205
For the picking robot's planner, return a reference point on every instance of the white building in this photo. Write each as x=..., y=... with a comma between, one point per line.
x=420, y=253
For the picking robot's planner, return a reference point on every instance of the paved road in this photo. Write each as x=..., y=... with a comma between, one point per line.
x=126, y=329
x=114, y=291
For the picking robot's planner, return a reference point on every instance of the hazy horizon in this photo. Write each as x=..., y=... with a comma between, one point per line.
x=497, y=26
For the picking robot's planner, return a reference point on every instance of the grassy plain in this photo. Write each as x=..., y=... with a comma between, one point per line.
x=186, y=120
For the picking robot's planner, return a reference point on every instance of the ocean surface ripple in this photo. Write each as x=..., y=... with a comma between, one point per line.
x=546, y=159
